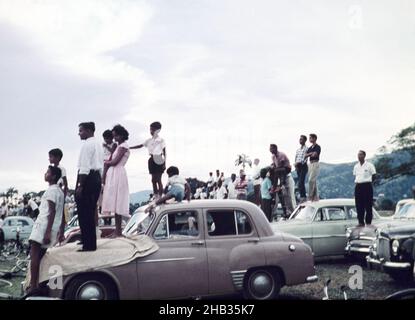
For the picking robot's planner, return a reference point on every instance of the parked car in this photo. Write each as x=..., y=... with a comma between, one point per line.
x=322, y=224
x=106, y=225
x=393, y=249
x=361, y=238
x=16, y=224
x=205, y=248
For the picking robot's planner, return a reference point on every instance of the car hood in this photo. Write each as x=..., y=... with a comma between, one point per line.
x=398, y=228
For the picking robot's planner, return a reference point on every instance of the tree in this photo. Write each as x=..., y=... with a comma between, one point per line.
x=243, y=159
x=10, y=193
x=400, y=160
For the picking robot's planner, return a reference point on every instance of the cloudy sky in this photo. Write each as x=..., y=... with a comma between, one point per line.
x=224, y=77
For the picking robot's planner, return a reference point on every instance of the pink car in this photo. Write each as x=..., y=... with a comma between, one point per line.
x=202, y=248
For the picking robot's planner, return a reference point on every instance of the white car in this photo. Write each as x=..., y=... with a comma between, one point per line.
x=14, y=224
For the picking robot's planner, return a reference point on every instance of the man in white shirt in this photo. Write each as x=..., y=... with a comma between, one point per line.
x=88, y=185
x=364, y=173
x=231, y=187
x=256, y=170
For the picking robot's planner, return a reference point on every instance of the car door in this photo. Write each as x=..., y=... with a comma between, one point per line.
x=11, y=229
x=25, y=228
x=225, y=230
x=179, y=268
x=329, y=231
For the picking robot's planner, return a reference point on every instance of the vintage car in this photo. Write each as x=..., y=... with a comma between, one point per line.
x=393, y=249
x=360, y=238
x=322, y=224
x=204, y=248
x=106, y=225
x=14, y=225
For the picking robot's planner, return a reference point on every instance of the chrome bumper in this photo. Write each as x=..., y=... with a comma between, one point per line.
x=311, y=279
x=388, y=264
x=351, y=249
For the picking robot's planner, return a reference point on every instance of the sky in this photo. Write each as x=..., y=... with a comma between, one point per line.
x=223, y=77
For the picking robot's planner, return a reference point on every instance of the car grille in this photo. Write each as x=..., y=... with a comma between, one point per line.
x=383, y=248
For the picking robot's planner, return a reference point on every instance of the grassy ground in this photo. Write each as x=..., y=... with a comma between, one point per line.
x=15, y=289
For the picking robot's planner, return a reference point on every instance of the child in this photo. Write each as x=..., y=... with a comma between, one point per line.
x=157, y=161
x=45, y=229
x=266, y=198
x=55, y=157
x=109, y=145
x=116, y=192
x=178, y=188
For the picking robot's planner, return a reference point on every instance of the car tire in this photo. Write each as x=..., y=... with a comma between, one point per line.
x=91, y=287
x=262, y=284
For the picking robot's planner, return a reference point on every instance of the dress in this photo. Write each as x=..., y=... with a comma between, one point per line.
x=116, y=192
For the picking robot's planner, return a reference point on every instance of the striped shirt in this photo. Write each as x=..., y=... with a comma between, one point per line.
x=300, y=155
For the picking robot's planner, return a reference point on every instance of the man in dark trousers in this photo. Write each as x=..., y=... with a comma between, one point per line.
x=364, y=173
x=88, y=185
x=301, y=167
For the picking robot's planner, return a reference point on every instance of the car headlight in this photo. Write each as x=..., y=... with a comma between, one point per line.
x=348, y=232
x=395, y=247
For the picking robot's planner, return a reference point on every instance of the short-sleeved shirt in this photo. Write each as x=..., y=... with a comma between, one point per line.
x=221, y=193
x=231, y=190
x=155, y=146
x=315, y=148
x=177, y=180
x=107, y=153
x=241, y=187
x=266, y=185
x=32, y=204
x=300, y=155
x=54, y=194
x=364, y=172
x=281, y=160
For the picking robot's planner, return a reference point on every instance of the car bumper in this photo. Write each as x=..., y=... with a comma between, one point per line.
x=388, y=264
x=312, y=279
x=357, y=249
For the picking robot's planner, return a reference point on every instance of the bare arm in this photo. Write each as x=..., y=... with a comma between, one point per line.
x=139, y=146
x=117, y=159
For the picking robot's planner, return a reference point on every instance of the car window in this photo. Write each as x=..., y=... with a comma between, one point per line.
x=351, y=213
x=177, y=225
x=303, y=213
x=23, y=222
x=321, y=215
x=335, y=214
x=242, y=222
x=12, y=222
x=228, y=222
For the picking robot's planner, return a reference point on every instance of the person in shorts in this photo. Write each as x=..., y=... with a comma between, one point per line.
x=177, y=187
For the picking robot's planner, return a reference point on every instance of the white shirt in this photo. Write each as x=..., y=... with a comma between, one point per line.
x=54, y=194
x=177, y=180
x=63, y=171
x=210, y=181
x=91, y=157
x=221, y=193
x=364, y=172
x=231, y=190
x=33, y=204
x=107, y=153
x=256, y=170
x=155, y=146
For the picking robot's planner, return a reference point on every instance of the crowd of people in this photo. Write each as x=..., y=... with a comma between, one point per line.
x=102, y=186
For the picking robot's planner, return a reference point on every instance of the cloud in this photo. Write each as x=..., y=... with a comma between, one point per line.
x=224, y=77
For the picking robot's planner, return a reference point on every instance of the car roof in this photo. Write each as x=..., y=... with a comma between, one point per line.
x=331, y=202
x=17, y=217
x=262, y=224
x=405, y=201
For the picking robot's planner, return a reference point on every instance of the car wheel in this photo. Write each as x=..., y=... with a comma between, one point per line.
x=262, y=284
x=91, y=287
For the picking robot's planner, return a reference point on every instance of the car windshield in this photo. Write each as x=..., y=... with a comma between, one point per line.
x=139, y=222
x=407, y=212
x=303, y=213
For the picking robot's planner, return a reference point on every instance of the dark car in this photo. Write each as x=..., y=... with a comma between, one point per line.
x=393, y=249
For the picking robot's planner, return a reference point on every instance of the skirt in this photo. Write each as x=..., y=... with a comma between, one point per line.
x=155, y=168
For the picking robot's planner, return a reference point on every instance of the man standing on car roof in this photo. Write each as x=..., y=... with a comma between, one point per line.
x=364, y=173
